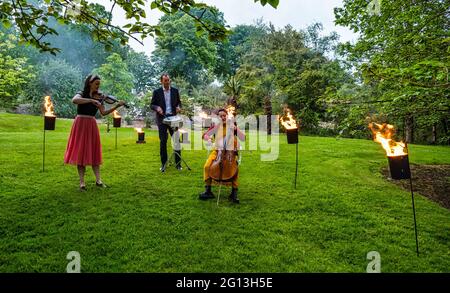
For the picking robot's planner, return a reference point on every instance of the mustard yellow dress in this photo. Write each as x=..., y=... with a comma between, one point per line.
x=221, y=135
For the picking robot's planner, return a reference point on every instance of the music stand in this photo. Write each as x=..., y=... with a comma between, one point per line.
x=172, y=158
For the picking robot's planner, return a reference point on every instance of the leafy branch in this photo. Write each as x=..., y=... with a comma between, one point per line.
x=33, y=19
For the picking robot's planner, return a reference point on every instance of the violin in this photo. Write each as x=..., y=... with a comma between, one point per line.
x=110, y=99
x=225, y=165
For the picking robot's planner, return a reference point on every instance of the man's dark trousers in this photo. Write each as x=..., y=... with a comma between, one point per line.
x=163, y=144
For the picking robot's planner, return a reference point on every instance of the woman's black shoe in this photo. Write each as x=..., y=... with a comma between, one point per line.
x=83, y=188
x=233, y=196
x=207, y=194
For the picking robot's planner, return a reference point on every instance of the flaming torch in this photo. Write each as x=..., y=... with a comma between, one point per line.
x=396, y=151
x=141, y=135
x=291, y=127
x=117, y=119
x=49, y=124
x=116, y=122
x=49, y=115
x=397, y=154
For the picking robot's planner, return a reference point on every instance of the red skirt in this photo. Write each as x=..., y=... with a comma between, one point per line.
x=84, y=147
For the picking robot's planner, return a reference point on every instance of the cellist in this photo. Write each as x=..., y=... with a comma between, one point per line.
x=225, y=141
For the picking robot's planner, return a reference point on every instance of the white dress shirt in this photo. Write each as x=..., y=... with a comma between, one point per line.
x=168, y=103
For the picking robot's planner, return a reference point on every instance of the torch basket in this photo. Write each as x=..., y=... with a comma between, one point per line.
x=399, y=167
x=117, y=121
x=49, y=122
x=141, y=137
x=292, y=136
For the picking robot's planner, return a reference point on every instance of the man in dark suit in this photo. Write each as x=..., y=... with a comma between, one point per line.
x=166, y=102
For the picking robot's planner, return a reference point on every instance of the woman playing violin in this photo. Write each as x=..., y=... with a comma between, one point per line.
x=221, y=165
x=84, y=147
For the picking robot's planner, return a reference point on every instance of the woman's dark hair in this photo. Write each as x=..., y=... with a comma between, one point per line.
x=87, y=84
x=221, y=110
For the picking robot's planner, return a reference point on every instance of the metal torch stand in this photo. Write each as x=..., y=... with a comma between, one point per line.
x=116, y=138
x=43, y=153
x=292, y=138
x=413, y=205
x=399, y=169
x=296, y=165
x=172, y=157
x=49, y=124
x=414, y=213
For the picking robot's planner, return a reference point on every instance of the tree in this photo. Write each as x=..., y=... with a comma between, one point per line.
x=143, y=72
x=319, y=44
x=209, y=97
x=59, y=80
x=116, y=79
x=255, y=73
x=79, y=49
x=403, y=51
x=32, y=19
x=182, y=53
x=280, y=68
x=76, y=47
x=233, y=87
x=241, y=40
x=14, y=72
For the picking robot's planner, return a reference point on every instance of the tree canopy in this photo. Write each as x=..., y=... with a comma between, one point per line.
x=32, y=19
x=14, y=71
x=403, y=55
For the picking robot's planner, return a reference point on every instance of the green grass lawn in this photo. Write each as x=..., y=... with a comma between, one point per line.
x=152, y=222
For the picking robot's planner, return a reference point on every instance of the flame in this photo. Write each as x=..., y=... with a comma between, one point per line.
x=382, y=134
x=288, y=121
x=116, y=114
x=139, y=130
x=48, y=107
x=230, y=111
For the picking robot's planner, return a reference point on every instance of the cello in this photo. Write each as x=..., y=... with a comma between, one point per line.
x=225, y=166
